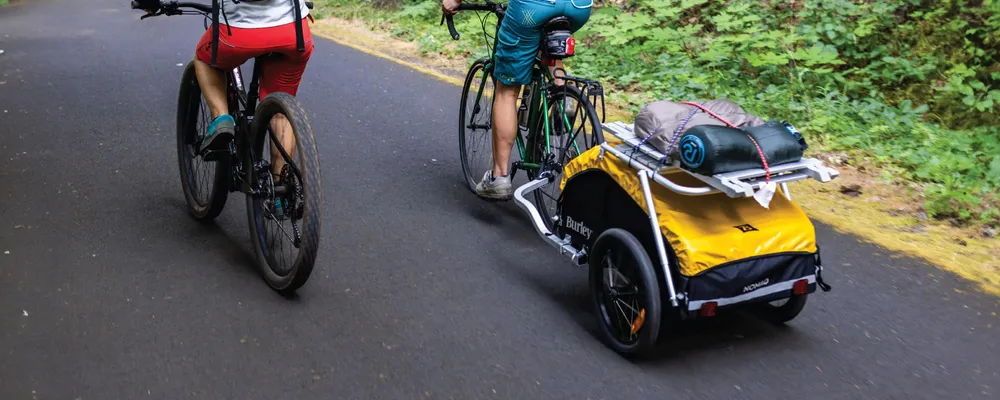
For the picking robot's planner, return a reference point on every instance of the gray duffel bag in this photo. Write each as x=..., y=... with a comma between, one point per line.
x=666, y=121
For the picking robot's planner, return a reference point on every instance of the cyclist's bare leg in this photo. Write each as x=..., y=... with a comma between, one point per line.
x=504, y=126
x=213, y=86
x=283, y=130
x=505, y=121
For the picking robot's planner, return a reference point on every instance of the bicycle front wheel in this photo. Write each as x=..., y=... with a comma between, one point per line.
x=205, y=183
x=283, y=207
x=475, y=123
x=574, y=129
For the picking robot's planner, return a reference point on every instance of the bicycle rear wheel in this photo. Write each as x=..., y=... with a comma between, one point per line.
x=475, y=123
x=573, y=131
x=205, y=183
x=284, y=210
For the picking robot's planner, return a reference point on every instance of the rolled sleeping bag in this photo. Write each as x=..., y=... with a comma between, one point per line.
x=710, y=150
x=781, y=145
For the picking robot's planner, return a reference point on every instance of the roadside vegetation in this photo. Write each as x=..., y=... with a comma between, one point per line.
x=907, y=89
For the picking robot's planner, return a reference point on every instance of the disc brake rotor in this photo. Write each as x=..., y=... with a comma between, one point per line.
x=265, y=186
x=294, y=202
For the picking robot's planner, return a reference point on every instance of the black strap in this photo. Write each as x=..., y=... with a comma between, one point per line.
x=215, y=31
x=819, y=280
x=299, y=39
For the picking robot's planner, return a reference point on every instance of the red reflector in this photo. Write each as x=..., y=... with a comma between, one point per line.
x=570, y=45
x=800, y=287
x=708, y=309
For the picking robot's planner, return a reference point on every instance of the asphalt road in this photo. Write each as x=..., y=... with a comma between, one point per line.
x=109, y=291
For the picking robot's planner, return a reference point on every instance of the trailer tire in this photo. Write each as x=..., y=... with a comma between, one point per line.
x=616, y=250
x=779, y=315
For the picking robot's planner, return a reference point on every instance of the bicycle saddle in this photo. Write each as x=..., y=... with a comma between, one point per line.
x=557, y=23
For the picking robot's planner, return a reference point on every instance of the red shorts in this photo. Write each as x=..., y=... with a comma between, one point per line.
x=281, y=74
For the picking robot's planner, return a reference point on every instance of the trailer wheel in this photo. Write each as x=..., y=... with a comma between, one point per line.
x=779, y=312
x=625, y=292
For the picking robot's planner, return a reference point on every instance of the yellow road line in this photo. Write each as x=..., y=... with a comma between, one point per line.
x=449, y=79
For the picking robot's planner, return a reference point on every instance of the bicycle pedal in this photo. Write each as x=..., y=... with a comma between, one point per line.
x=214, y=155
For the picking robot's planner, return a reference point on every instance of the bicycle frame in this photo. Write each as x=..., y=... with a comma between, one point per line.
x=242, y=105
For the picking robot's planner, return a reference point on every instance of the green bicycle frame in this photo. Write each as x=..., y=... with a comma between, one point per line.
x=537, y=103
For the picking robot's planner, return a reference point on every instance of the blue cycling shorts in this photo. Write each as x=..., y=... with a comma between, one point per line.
x=521, y=33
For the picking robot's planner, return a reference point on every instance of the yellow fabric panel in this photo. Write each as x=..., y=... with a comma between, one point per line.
x=703, y=230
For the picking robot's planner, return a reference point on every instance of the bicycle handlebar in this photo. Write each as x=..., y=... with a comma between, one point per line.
x=169, y=7
x=489, y=6
x=173, y=7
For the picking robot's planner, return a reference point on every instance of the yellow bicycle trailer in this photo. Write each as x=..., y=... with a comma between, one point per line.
x=663, y=241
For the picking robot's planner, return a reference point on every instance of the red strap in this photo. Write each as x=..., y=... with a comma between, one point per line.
x=767, y=170
x=731, y=125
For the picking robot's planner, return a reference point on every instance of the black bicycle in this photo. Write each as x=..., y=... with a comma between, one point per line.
x=283, y=207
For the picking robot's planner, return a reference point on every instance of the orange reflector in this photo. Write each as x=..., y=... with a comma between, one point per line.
x=800, y=286
x=708, y=309
x=638, y=321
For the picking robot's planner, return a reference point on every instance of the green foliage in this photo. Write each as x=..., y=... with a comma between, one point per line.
x=911, y=85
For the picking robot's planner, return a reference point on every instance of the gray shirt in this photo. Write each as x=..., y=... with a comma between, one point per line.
x=260, y=14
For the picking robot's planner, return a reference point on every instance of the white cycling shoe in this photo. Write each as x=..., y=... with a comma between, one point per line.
x=495, y=188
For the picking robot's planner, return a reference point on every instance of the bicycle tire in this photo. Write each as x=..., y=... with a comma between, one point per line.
x=538, y=148
x=473, y=175
x=306, y=158
x=189, y=103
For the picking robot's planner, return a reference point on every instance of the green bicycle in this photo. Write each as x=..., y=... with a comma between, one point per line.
x=546, y=140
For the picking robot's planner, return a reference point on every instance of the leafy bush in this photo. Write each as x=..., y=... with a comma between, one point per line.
x=913, y=86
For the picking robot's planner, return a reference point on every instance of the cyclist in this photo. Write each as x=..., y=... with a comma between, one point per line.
x=250, y=28
x=518, y=39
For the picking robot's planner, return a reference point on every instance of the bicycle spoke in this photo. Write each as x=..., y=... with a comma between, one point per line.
x=631, y=307
x=203, y=191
